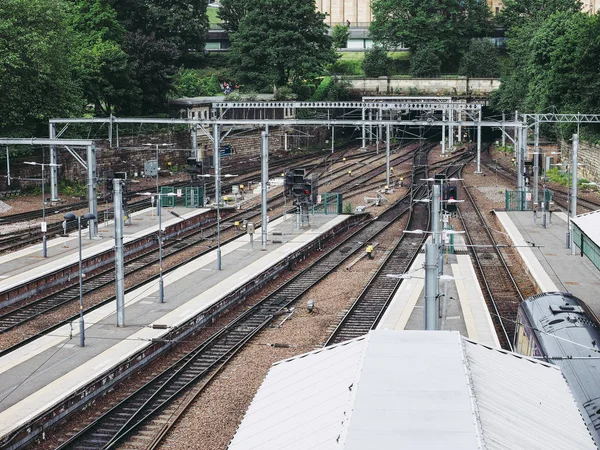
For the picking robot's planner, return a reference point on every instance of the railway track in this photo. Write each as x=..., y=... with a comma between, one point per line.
x=35, y=308
x=368, y=307
x=499, y=287
x=149, y=401
x=367, y=310
x=18, y=239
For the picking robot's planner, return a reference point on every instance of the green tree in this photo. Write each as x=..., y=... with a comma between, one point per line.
x=182, y=23
x=553, y=63
x=160, y=37
x=480, y=60
x=36, y=80
x=232, y=12
x=340, y=35
x=444, y=26
x=279, y=43
x=425, y=63
x=520, y=12
x=100, y=62
x=376, y=62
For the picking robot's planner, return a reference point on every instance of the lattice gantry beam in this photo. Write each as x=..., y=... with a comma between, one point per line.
x=400, y=105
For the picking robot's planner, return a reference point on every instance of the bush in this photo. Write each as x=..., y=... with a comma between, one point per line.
x=399, y=66
x=340, y=35
x=425, y=63
x=376, y=62
x=286, y=93
x=480, y=60
x=192, y=83
x=331, y=90
x=347, y=67
x=348, y=209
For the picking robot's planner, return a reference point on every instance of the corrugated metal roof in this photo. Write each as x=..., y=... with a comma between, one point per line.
x=523, y=403
x=412, y=390
x=304, y=402
x=589, y=223
x=412, y=394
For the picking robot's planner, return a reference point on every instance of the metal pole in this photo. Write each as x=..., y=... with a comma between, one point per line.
x=364, y=130
x=431, y=280
x=264, y=182
x=574, y=190
x=518, y=147
x=44, y=247
x=450, y=130
x=119, y=255
x=436, y=201
x=157, y=189
x=7, y=166
x=53, y=168
x=110, y=130
x=503, y=130
x=444, y=132
x=387, y=156
x=370, y=126
x=459, y=126
x=195, y=142
x=217, y=163
x=516, y=132
x=479, y=144
x=332, y=138
x=92, y=188
x=536, y=166
x=161, y=298
x=81, y=322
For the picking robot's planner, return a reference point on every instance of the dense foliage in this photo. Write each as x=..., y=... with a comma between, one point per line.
x=445, y=27
x=36, y=80
x=340, y=34
x=57, y=56
x=554, y=65
x=280, y=43
x=232, y=12
x=376, y=62
x=425, y=63
x=480, y=60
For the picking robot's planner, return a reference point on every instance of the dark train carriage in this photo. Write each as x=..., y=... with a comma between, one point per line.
x=561, y=328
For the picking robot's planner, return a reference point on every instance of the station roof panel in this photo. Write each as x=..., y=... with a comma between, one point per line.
x=589, y=224
x=412, y=390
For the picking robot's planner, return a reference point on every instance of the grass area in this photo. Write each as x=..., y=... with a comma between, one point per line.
x=351, y=56
x=400, y=56
x=359, y=56
x=212, y=14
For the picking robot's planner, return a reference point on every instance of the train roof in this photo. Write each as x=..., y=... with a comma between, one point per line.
x=566, y=328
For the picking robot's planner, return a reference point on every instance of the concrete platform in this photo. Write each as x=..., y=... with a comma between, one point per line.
x=463, y=306
x=40, y=375
x=549, y=262
x=26, y=265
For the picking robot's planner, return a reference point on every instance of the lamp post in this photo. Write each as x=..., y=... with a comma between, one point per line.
x=44, y=246
x=161, y=290
x=218, y=201
x=68, y=217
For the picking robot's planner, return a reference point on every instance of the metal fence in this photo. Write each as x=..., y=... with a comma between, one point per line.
x=523, y=200
x=186, y=197
x=328, y=203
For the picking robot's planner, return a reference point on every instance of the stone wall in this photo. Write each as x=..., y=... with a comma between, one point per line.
x=588, y=158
